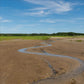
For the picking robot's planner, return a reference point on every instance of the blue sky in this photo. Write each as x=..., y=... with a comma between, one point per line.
x=41, y=16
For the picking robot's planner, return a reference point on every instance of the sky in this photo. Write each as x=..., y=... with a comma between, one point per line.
x=41, y=16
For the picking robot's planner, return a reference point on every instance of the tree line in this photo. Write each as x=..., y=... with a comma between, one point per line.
x=45, y=34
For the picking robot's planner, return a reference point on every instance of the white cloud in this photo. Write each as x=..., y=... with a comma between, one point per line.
x=0, y=18
x=40, y=8
x=79, y=18
x=48, y=21
x=26, y=25
x=37, y=13
x=4, y=20
x=62, y=20
x=56, y=20
x=51, y=6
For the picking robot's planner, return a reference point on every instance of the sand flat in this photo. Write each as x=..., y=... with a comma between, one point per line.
x=21, y=68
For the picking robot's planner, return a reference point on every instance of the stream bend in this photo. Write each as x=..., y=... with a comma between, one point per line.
x=71, y=74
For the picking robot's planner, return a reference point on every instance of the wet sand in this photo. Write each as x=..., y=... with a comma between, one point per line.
x=21, y=68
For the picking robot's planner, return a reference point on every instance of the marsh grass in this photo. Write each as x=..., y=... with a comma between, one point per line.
x=78, y=40
x=35, y=37
x=24, y=37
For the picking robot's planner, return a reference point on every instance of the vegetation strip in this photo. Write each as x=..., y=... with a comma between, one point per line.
x=24, y=37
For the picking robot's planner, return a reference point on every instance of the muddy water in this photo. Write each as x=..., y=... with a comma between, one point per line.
x=71, y=74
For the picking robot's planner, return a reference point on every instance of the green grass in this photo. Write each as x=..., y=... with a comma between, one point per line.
x=78, y=40
x=34, y=37
x=24, y=37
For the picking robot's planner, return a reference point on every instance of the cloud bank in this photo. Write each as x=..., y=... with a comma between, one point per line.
x=50, y=6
